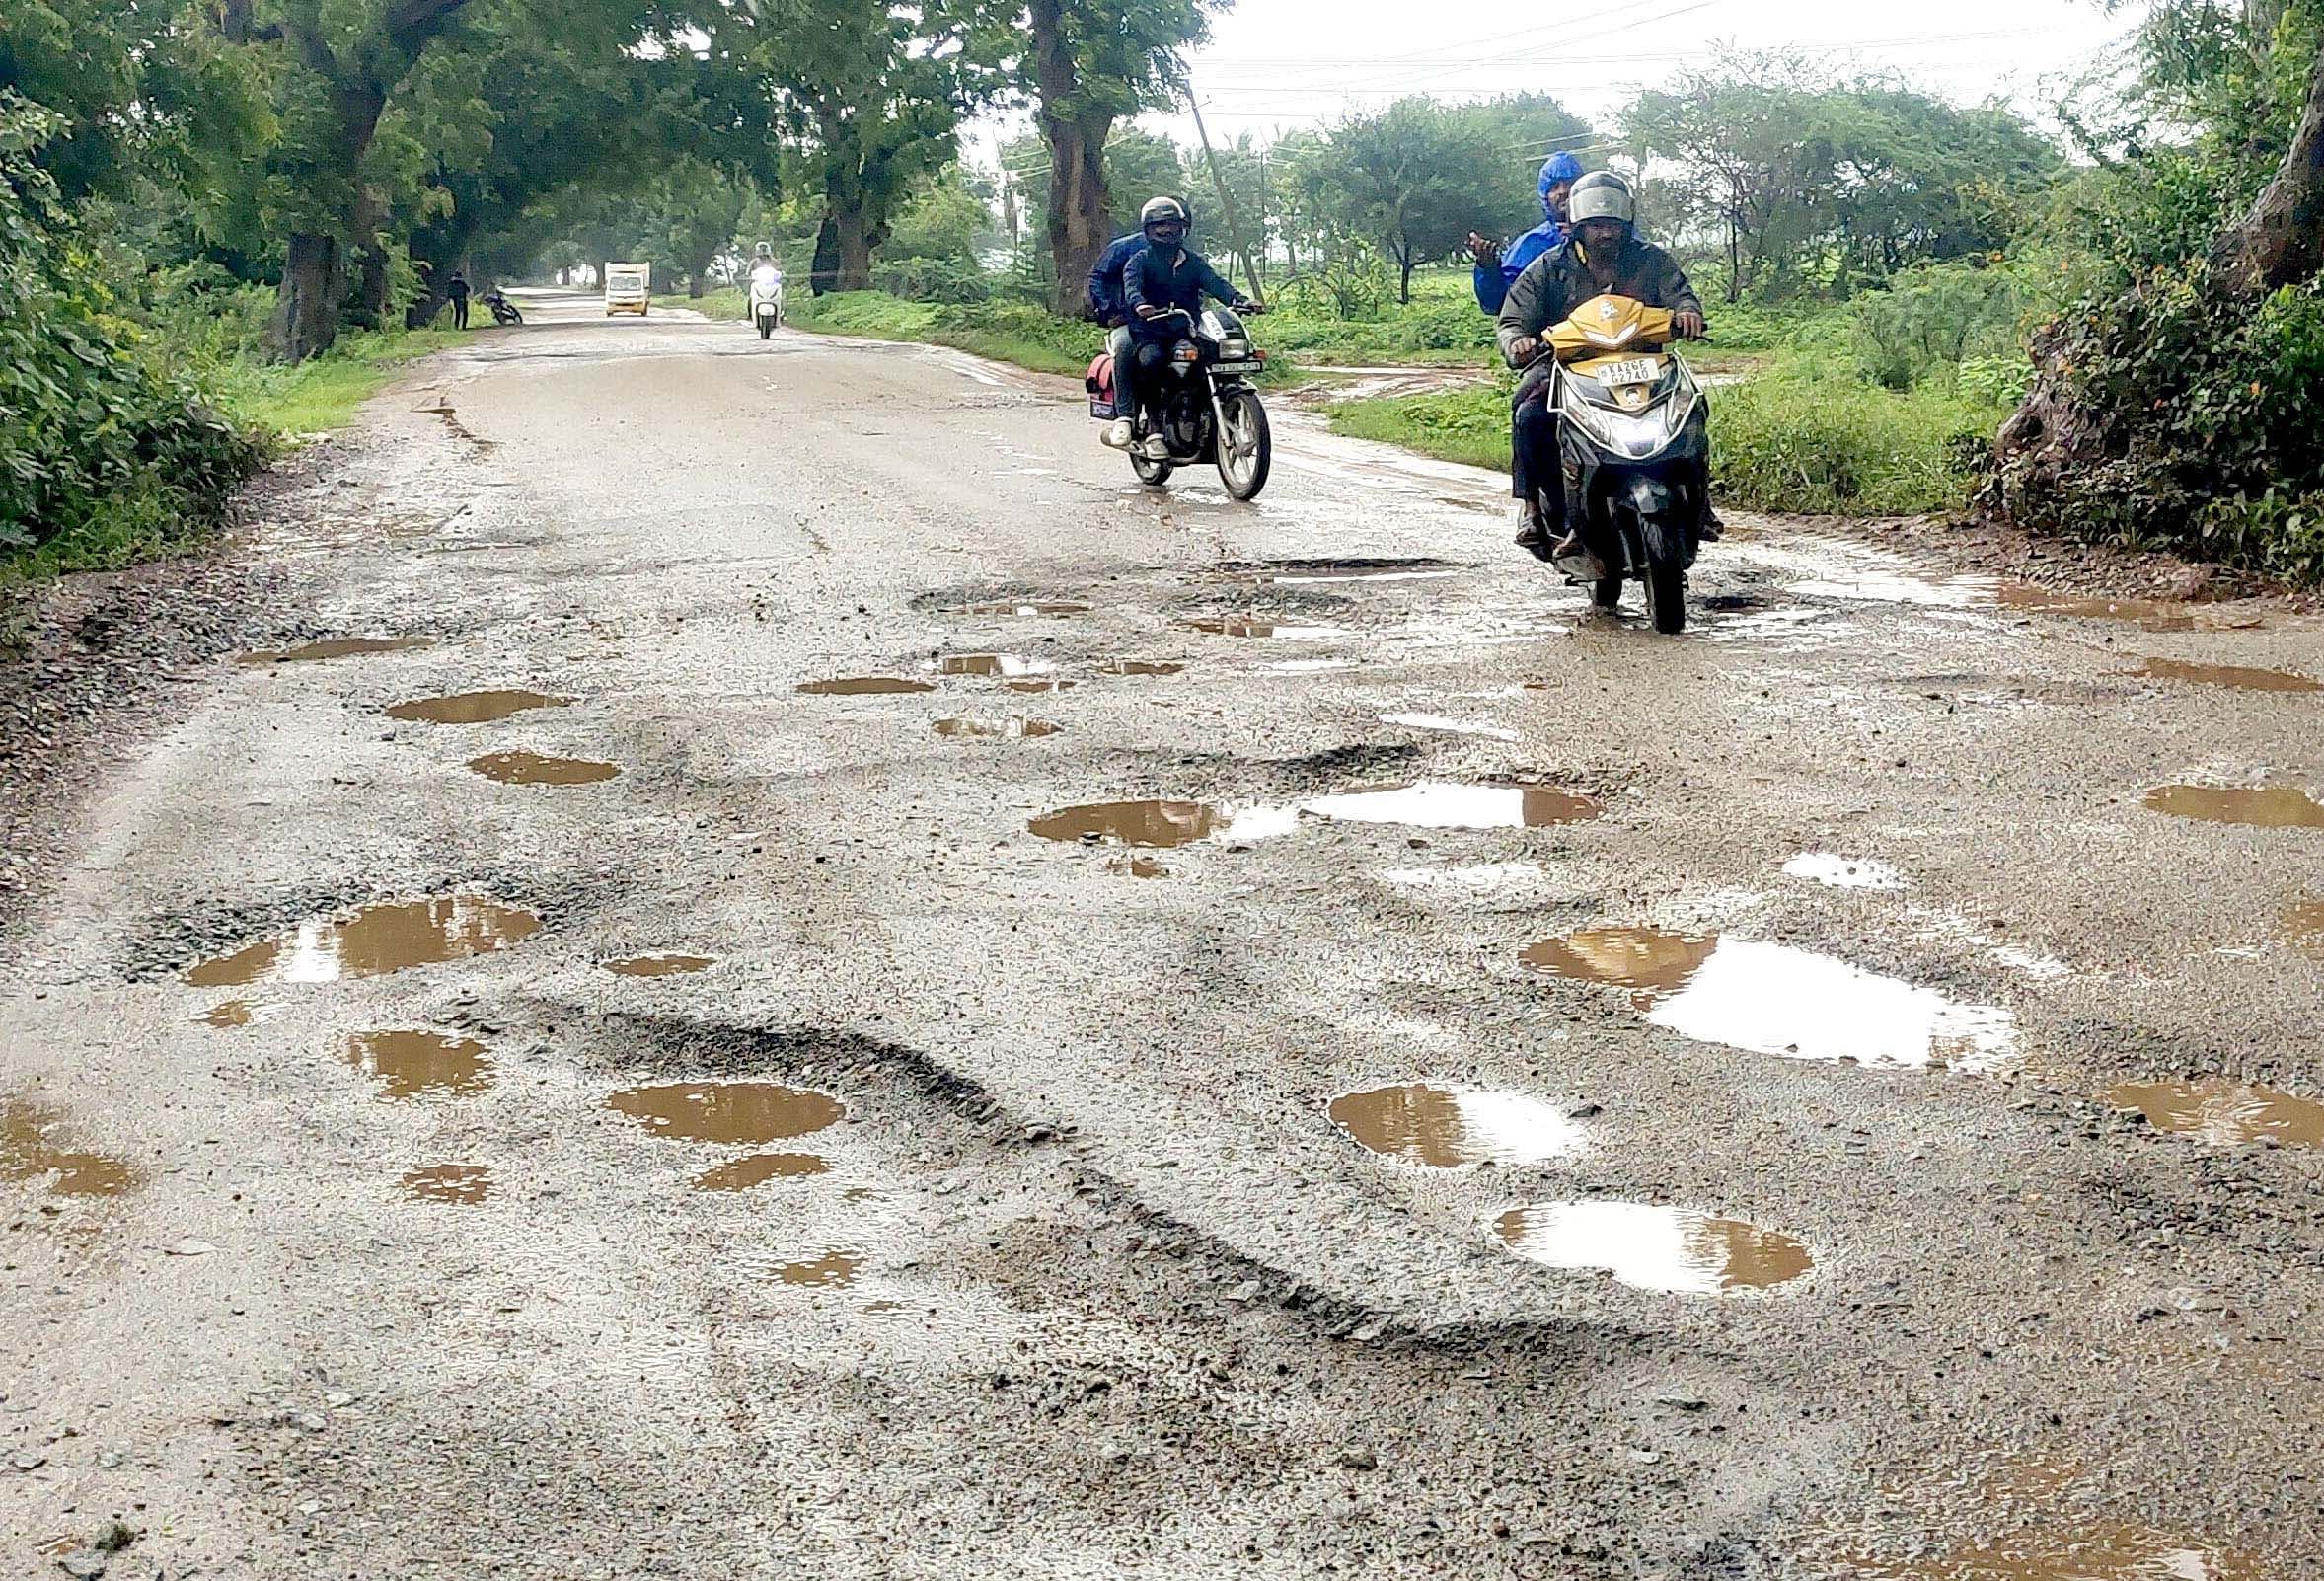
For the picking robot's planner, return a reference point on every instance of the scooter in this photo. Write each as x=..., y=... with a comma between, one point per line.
x=766, y=300
x=1633, y=439
x=503, y=310
x=1211, y=412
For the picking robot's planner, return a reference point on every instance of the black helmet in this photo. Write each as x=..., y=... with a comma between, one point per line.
x=1163, y=211
x=1602, y=195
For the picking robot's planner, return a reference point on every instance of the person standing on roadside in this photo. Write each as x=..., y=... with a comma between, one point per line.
x=456, y=288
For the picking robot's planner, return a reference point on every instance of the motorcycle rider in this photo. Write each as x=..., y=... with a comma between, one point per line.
x=1496, y=270
x=1159, y=279
x=1108, y=309
x=1602, y=255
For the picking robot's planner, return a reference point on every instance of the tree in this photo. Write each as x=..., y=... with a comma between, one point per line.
x=1412, y=178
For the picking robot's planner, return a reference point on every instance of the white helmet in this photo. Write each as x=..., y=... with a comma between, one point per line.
x=1602, y=195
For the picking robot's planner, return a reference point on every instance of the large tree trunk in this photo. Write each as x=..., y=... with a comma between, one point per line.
x=854, y=235
x=823, y=275
x=1081, y=210
x=371, y=262
x=306, y=315
x=2280, y=241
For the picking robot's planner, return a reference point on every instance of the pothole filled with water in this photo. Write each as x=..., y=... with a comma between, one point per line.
x=1129, y=667
x=1448, y=1128
x=1772, y=999
x=472, y=708
x=1009, y=729
x=463, y=1183
x=232, y=1012
x=375, y=940
x=335, y=648
x=1647, y=1247
x=829, y=1271
x=1046, y=683
x=1428, y=806
x=2096, y=1552
x=660, y=965
x=758, y=1168
x=1023, y=607
x=1140, y=867
x=862, y=686
x=2235, y=675
x=2263, y=806
x=1844, y=873
x=1155, y=823
x=29, y=1154
x=411, y=1064
x=532, y=767
x=751, y=1113
x=2224, y=1113
x=1277, y=631
x=1012, y=665
x=2303, y=924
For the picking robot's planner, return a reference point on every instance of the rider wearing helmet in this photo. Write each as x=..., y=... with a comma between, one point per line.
x=1497, y=268
x=1107, y=308
x=1602, y=255
x=1162, y=279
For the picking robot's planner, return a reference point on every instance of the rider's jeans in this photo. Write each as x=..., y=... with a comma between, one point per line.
x=1534, y=460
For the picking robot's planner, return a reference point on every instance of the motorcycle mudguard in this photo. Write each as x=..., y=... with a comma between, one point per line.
x=1664, y=512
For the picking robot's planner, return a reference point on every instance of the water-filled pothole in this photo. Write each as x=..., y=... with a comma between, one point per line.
x=376, y=939
x=2226, y=1113
x=1155, y=823
x=1045, y=683
x=2277, y=806
x=1129, y=666
x=2097, y=1552
x=1278, y=631
x=752, y=1113
x=831, y=1270
x=463, y=1183
x=757, y=1169
x=1648, y=1247
x=2303, y=924
x=532, y=767
x=1772, y=999
x=2238, y=676
x=1012, y=665
x=27, y=1154
x=1023, y=607
x=1427, y=805
x=862, y=686
x=1140, y=867
x=1014, y=728
x=472, y=708
x=411, y=1063
x=1447, y=1127
x=335, y=648
x=660, y=965
x=232, y=1012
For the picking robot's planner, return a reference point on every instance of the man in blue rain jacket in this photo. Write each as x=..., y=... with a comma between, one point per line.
x=1496, y=270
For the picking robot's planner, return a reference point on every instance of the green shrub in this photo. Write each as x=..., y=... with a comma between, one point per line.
x=1932, y=319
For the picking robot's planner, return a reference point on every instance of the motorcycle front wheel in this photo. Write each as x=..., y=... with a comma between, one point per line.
x=1247, y=449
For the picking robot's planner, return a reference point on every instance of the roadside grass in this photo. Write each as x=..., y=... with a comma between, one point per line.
x=1793, y=439
x=321, y=392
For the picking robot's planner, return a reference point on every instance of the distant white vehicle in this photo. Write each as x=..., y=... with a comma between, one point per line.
x=629, y=288
x=765, y=297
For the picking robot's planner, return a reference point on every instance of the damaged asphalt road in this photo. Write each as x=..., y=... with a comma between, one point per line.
x=1236, y=1040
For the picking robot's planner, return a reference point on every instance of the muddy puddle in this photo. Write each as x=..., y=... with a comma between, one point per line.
x=830, y=1271
x=1671, y=1250
x=1140, y=867
x=411, y=1064
x=373, y=941
x=758, y=1168
x=1772, y=999
x=1278, y=631
x=2235, y=675
x=1449, y=1128
x=1047, y=682
x=1011, y=729
x=1128, y=666
x=751, y=1113
x=474, y=708
x=1023, y=607
x=2264, y=806
x=335, y=648
x=862, y=686
x=532, y=767
x=2117, y=1552
x=2303, y=925
x=232, y=1012
x=2224, y=1113
x=1013, y=666
x=2152, y=614
x=660, y=965
x=1157, y=823
x=464, y=1183
x=1441, y=804
x=29, y=1154
x=1844, y=873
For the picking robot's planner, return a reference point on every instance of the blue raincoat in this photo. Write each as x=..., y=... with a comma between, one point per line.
x=1493, y=283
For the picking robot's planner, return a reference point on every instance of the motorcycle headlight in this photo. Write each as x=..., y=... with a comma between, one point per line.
x=1634, y=436
x=1234, y=350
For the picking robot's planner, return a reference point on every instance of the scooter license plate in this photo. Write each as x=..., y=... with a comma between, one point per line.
x=1633, y=370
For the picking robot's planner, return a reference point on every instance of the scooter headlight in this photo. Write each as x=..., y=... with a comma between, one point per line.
x=1634, y=436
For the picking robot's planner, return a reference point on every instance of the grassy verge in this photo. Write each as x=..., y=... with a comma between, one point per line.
x=323, y=393
x=1791, y=440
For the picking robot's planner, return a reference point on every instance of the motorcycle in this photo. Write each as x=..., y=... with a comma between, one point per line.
x=766, y=300
x=1632, y=437
x=1210, y=409
x=503, y=310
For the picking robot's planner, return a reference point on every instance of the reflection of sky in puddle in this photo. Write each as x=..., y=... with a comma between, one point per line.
x=1844, y=873
x=1448, y=1127
x=2224, y=1113
x=1668, y=1250
x=1431, y=804
x=1003, y=664
x=1772, y=999
x=376, y=939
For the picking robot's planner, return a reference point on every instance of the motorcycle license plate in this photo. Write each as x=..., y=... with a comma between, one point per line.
x=1634, y=370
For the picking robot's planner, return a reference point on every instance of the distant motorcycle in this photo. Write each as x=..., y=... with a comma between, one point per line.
x=1210, y=409
x=766, y=299
x=503, y=310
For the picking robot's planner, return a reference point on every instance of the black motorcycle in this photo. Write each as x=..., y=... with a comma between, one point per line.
x=503, y=310
x=1211, y=412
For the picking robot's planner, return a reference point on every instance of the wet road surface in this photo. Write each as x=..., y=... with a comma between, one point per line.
x=644, y=1061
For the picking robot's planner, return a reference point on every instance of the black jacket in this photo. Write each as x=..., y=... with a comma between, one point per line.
x=1175, y=280
x=1559, y=280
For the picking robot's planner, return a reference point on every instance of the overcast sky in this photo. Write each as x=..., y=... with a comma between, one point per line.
x=1276, y=66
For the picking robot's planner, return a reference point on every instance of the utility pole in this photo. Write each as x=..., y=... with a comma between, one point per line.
x=1258, y=292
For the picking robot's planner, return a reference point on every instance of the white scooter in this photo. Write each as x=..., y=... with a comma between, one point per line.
x=766, y=299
